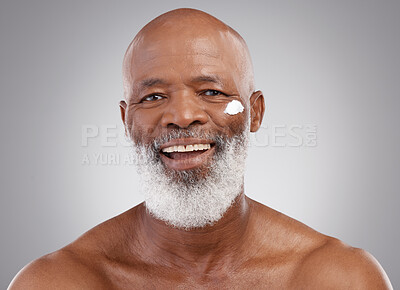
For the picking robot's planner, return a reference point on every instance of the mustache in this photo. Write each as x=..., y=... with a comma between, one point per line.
x=217, y=137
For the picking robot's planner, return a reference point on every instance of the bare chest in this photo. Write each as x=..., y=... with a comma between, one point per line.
x=279, y=277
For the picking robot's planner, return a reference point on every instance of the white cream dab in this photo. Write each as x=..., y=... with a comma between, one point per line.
x=234, y=107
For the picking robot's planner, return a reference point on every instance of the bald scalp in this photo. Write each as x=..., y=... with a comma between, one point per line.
x=191, y=23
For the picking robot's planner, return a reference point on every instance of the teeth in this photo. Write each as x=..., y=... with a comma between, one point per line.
x=187, y=148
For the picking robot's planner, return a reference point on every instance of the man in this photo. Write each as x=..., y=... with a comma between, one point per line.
x=189, y=106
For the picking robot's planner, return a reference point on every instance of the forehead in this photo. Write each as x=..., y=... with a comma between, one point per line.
x=164, y=54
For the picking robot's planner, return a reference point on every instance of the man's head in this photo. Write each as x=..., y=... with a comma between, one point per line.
x=183, y=73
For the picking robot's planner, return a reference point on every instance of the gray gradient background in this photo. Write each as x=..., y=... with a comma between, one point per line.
x=334, y=64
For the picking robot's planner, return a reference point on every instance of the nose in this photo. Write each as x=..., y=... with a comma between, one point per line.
x=183, y=110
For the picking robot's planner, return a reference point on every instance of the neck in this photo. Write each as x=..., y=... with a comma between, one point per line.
x=201, y=247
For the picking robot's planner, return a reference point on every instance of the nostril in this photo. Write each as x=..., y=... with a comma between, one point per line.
x=196, y=122
x=181, y=126
x=183, y=114
x=173, y=126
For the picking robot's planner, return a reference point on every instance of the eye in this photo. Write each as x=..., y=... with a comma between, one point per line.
x=152, y=98
x=213, y=93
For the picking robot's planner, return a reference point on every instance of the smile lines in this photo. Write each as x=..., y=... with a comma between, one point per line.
x=187, y=148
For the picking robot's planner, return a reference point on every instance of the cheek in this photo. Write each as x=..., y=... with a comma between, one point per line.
x=230, y=120
x=142, y=124
x=233, y=108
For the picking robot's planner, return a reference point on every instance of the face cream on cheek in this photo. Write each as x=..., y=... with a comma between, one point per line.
x=234, y=108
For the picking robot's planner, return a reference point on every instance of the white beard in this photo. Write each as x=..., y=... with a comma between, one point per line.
x=186, y=199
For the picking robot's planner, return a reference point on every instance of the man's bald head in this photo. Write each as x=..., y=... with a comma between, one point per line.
x=196, y=31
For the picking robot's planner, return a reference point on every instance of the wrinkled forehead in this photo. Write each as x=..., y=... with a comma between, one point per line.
x=220, y=44
x=209, y=52
x=220, y=50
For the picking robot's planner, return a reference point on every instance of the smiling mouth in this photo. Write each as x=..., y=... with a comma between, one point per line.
x=180, y=152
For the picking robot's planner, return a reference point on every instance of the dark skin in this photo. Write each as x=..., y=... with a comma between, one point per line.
x=194, y=72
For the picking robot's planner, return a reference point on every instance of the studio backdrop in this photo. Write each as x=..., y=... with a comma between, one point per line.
x=327, y=153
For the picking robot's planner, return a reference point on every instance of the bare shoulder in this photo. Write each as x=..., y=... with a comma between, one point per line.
x=59, y=270
x=318, y=261
x=335, y=265
x=79, y=265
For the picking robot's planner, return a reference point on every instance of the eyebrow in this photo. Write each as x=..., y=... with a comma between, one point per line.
x=148, y=83
x=151, y=82
x=207, y=78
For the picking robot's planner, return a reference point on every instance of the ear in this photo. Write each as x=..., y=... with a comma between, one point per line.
x=257, y=108
x=122, y=107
